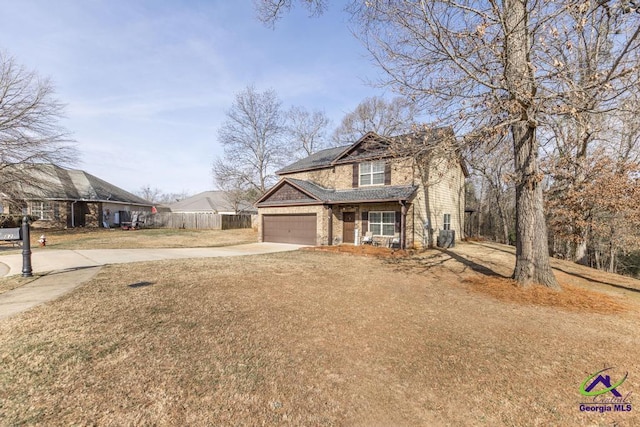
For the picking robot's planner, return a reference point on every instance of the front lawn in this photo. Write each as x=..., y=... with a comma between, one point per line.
x=311, y=338
x=116, y=238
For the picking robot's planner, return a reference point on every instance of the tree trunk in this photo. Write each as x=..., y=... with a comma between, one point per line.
x=503, y=219
x=612, y=260
x=580, y=255
x=532, y=252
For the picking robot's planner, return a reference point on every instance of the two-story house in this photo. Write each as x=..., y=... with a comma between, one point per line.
x=370, y=190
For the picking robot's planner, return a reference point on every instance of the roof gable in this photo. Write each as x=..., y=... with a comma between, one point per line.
x=370, y=145
x=290, y=191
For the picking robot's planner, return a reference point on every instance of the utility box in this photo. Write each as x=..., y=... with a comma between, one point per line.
x=446, y=239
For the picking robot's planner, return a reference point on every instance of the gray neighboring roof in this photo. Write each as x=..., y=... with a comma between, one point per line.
x=329, y=196
x=209, y=201
x=57, y=183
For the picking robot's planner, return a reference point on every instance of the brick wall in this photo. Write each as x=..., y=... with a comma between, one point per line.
x=340, y=177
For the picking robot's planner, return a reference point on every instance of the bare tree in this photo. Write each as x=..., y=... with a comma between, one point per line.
x=375, y=114
x=492, y=164
x=151, y=194
x=253, y=137
x=307, y=131
x=272, y=10
x=579, y=119
x=156, y=195
x=30, y=133
x=237, y=187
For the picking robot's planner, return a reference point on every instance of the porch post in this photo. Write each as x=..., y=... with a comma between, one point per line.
x=403, y=225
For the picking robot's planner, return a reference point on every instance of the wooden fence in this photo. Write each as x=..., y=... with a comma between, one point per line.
x=200, y=220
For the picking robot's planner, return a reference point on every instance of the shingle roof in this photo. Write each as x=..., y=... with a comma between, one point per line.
x=358, y=195
x=322, y=158
x=56, y=183
x=330, y=156
x=208, y=201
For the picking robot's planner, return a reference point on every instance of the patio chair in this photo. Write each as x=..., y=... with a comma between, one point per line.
x=395, y=242
x=368, y=238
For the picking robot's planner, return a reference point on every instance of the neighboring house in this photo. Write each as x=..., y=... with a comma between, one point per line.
x=61, y=197
x=341, y=195
x=215, y=202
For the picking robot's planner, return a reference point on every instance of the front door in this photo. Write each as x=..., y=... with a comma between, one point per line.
x=348, y=227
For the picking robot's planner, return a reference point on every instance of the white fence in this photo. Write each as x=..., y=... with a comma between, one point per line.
x=200, y=220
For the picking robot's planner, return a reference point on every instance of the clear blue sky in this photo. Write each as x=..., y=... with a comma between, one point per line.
x=147, y=83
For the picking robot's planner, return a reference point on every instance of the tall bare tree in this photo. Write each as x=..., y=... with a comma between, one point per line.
x=492, y=165
x=388, y=118
x=490, y=68
x=307, y=131
x=156, y=195
x=272, y=10
x=30, y=132
x=253, y=137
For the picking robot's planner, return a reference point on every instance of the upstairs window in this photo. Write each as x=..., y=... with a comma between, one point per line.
x=372, y=173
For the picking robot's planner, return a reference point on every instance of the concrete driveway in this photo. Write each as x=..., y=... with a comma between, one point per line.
x=43, y=260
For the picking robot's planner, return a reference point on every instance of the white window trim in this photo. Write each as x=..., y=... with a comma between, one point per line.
x=382, y=223
x=43, y=209
x=446, y=222
x=371, y=173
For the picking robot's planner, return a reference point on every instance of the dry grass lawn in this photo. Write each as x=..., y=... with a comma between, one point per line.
x=316, y=338
x=115, y=238
x=144, y=238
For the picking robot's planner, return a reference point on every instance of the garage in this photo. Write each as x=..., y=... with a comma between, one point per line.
x=298, y=229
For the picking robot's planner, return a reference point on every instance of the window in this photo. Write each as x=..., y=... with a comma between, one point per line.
x=372, y=173
x=447, y=222
x=382, y=223
x=41, y=210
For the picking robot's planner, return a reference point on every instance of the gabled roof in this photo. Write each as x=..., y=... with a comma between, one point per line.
x=313, y=194
x=208, y=201
x=57, y=183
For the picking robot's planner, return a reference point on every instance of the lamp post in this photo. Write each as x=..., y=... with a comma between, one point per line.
x=27, y=271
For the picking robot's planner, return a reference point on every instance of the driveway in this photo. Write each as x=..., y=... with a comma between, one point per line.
x=43, y=260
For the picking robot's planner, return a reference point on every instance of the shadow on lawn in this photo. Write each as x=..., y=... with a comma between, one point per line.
x=591, y=279
x=438, y=258
x=556, y=266
x=478, y=268
x=141, y=284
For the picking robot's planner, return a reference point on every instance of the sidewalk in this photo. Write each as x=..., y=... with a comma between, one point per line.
x=43, y=289
x=70, y=268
